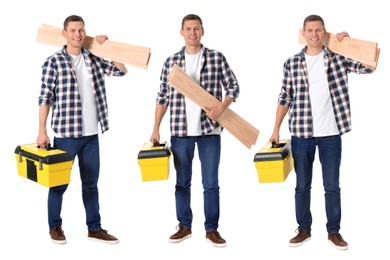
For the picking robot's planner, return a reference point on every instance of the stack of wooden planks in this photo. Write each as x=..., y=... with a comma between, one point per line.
x=366, y=52
x=236, y=125
x=125, y=53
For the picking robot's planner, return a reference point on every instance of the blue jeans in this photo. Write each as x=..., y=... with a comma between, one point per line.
x=209, y=150
x=87, y=151
x=329, y=151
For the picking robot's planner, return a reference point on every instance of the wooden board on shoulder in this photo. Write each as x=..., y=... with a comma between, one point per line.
x=134, y=55
x=366, y=52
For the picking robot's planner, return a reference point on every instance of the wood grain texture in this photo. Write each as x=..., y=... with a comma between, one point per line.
x=134, y=55
x=366, y=52
x=245, y=132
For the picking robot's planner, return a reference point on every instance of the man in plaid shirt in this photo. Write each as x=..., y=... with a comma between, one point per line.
x=190, y=126
x=315, y=92
x=73, y=86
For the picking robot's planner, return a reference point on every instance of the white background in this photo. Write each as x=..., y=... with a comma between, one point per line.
x=257, y=219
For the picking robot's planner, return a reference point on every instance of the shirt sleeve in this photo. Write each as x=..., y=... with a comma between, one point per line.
x=48, y=82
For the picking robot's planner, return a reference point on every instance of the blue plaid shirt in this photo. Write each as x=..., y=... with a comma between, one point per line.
x=215, y=76
x=295, y=91
x=59, y=90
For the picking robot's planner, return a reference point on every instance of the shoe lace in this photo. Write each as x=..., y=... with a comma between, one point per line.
x=338, y=236
x=180, y=228
x=300, y=232
x=59, y=231
x=216, y=234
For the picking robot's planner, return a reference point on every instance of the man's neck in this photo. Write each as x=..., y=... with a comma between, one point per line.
x=193, y=49
x=73, y=51
x=313, y=51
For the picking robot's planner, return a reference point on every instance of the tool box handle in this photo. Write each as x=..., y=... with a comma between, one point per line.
x=48, y=147
x=275, y=145
x=157, y=144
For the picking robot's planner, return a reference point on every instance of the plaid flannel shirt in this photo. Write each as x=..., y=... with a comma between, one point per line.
x=215, y=76
x=59, y=89
x=295, y=91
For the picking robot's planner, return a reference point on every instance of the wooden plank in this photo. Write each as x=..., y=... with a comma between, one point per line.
x=236, y=125
x=366, y=52
x=239, y=128
x=134, y=55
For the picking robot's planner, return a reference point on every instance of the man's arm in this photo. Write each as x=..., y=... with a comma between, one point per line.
x=43, y=139
x=158, y=116
x=281, y=112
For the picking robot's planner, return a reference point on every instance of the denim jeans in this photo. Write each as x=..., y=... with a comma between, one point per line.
x=329, y=151
x=209, y=150
x=87, y=151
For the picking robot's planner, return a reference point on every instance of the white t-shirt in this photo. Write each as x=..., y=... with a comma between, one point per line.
x=324, y=122
x=193, y=111
x=89, y=107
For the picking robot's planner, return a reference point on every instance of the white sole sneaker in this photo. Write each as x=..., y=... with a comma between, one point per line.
x=338, y=247
x=299, y=244
x=179, y=240
x=215, y=244
x=111, y=242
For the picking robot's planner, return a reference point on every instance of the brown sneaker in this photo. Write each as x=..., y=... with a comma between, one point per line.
x=338, y=241
x=182, y=233
x=215, y=238
x=57, y=236
x=102, y=236
x=302, y=237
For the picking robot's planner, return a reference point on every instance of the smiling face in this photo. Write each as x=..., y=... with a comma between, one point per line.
x=314, y=32
x=75, y=36
x=192, y=32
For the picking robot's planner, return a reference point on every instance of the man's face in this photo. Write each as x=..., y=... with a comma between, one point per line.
x=75, y=34
x=314, y=33
x=192, y=33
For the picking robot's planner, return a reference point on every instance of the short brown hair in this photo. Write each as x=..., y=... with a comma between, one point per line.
x=191, y=17
x=72, y=18
x=313, y=18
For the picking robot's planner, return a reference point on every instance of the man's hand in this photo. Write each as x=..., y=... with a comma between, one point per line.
x=340, y=36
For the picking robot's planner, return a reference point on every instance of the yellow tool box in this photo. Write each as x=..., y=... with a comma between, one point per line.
x=153, y=160
x=49, y=167
x=274, y=161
